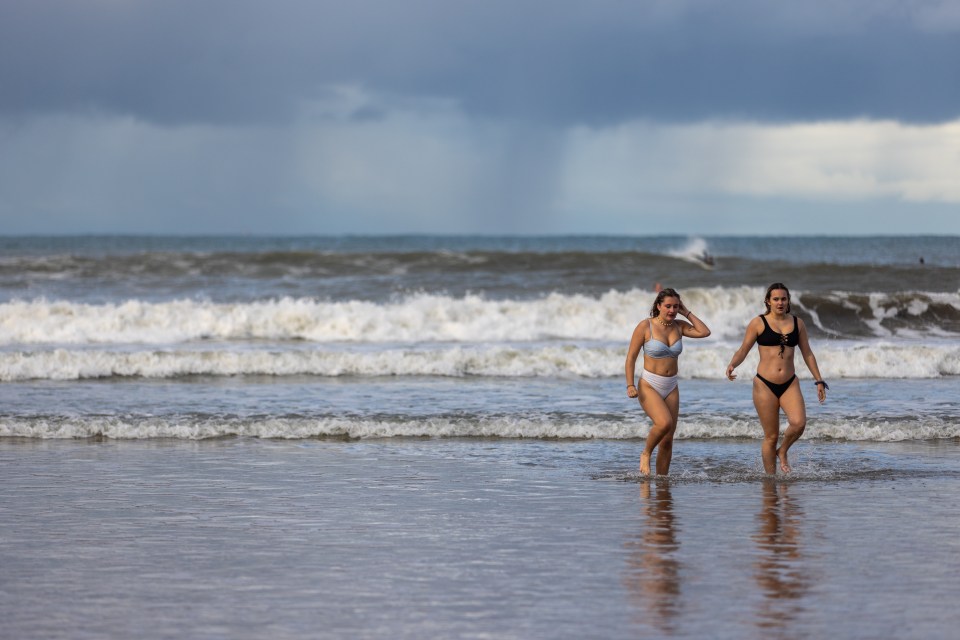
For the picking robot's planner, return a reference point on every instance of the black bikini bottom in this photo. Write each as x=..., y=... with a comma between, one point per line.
x=778, y=389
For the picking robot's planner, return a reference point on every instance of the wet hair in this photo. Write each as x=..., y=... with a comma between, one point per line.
x=771, y=289
x=664, y=293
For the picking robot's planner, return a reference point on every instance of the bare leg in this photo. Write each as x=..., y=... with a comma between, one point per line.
x=665, y=448
x=768, y=410
x=663, y=423
x=796, y=411
x=665, y=453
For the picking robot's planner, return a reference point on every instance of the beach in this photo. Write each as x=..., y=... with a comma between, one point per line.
x=247, y=538
x=429, y=437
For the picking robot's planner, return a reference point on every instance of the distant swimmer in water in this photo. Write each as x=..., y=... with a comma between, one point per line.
x=660, y=337
x=706, y=258
x=776, y=386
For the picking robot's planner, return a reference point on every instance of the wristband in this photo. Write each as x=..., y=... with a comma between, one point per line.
x=819, y=382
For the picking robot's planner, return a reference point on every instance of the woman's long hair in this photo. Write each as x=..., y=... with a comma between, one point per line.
x=771, y=289
x=664, y=293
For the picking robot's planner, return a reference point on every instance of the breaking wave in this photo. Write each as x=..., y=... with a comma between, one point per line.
x=700, y=360
x=424, y=317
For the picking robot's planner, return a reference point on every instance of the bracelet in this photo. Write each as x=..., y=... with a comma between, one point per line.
x=631, y=385
x=825, y=385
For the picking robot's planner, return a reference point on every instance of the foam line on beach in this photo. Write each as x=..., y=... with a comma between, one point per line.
x=802, y=470
x=192, y=427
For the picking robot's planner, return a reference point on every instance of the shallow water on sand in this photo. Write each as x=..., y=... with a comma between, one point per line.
x=249, y=538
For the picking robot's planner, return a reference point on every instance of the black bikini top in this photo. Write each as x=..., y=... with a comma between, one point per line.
x=770, y=338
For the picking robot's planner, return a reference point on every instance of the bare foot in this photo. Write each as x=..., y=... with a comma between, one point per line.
x=644, y=464
x=784, y=464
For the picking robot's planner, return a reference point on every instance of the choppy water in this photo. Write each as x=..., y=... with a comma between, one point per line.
x=332, y=335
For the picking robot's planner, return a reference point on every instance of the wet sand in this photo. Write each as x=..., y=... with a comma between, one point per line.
x=413, y=538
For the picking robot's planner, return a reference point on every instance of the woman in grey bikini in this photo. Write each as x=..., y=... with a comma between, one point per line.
x=777, y=333
x=660, y=336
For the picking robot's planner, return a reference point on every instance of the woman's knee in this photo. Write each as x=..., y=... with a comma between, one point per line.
x=797, y=425
x=665, y=425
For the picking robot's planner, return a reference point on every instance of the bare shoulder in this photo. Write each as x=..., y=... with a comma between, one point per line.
x=641, y=329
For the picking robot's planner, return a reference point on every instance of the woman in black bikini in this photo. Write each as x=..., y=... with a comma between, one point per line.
x=776, y=386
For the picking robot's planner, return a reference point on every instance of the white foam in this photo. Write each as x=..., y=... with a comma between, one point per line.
x=541, y=360
x=419, y=317
x=415, y=318
x=694, y=252
x=196, y=428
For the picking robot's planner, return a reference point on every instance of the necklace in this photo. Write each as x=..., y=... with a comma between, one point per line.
x=662, y=323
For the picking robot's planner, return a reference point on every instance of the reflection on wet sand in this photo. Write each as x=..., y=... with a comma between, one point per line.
x=779, y=566
x=652, y=576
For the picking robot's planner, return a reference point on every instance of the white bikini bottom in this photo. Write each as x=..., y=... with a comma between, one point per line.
x=663, y=385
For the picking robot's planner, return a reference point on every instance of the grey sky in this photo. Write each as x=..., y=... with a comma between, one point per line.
x=421, y=115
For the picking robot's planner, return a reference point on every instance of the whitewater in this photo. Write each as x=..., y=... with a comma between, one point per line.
x=473, y=337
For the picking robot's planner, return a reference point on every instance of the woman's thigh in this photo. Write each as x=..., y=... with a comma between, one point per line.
x=768, y=407
x=792, y=403
x=656, y=407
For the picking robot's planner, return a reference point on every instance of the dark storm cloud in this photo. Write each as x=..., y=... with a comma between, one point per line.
x=557, y=63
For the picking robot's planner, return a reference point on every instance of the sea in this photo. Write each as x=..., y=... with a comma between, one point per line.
x=429, y=437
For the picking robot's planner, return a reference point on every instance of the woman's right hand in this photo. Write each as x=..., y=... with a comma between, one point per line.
x=730, y=374
x=632, y=392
